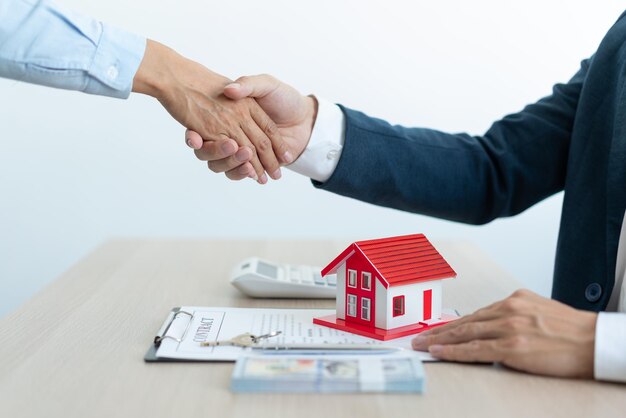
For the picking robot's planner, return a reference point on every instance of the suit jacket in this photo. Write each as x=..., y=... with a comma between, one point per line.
x=573, y=140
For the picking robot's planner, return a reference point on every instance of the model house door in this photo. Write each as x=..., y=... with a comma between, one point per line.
x=428, y=304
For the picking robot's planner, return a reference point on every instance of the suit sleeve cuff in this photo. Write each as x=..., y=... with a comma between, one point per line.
x=321, y=156
x=117, y=59
x=610, y=347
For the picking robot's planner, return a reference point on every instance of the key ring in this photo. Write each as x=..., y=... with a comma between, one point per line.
x=243, y=340
x=272, y=334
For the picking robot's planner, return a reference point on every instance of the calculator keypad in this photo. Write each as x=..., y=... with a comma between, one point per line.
x=317, y=277
x=308, y=276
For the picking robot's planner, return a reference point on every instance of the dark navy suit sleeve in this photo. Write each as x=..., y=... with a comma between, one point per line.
x=519, y=161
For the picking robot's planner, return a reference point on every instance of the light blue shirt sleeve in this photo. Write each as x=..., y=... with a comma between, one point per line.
x=42, y=43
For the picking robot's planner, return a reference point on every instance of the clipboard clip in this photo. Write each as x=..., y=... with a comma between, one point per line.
x=162, y=334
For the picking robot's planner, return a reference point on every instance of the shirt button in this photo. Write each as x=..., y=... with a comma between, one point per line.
x=332, y=155
x=593, y=292
x=112, y=73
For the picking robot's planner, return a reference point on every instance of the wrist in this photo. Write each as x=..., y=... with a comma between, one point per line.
x=312, y=106
x=588, y=321
x=155, y=75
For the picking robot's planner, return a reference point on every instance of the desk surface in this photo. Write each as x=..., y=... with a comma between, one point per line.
x=76, y=349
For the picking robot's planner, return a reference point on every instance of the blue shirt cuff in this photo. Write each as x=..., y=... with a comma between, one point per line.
x=115, y=63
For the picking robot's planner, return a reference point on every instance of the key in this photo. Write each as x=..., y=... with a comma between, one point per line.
x=243, y=340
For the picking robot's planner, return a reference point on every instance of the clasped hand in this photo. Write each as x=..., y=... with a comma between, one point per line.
x=293, y=114
x=229, y=133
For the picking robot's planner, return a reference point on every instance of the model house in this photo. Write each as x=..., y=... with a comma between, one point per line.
x=388, y=288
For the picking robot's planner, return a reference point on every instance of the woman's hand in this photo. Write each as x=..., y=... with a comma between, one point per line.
x=192, y=94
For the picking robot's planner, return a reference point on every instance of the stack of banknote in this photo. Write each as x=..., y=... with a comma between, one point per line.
x=330, y=374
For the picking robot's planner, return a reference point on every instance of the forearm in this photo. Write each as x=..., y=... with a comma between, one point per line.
x=456, y=177
x=44, y=44
x=161, y=72
x=521, y=160
x=154, y=72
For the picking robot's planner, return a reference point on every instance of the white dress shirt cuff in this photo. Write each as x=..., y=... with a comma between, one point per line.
x=322, y=153
x=610, y=347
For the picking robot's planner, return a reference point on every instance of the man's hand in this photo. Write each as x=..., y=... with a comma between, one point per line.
x=524, y=331
x=192, y=94
x=293, y=113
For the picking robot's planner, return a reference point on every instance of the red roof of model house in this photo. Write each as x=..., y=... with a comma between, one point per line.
x=399, y=260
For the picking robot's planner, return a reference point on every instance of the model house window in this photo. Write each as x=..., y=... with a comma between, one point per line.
x=398, y=306
x=366, y=280
x=365, y=309
x=351, y=278
x=351, y=305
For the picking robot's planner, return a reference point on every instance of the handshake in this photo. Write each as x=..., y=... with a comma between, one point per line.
x=268, y=125
x=245, y=128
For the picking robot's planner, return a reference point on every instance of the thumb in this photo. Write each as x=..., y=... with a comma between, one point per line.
x=256, y=86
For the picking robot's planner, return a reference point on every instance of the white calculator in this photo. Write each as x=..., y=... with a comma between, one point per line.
x=263, y=279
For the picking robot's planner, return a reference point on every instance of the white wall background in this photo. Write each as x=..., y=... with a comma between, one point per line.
x=76, y=169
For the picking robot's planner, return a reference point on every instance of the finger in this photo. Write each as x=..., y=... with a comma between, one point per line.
x=193, y=139
x=241, y=172
x=481, y=330
x=242, y=140
x=241, y=157
x=484, y=314
x=264, y=151
x=269, y=128
x=216, y=150
x=506, y=307
x=526, y=294
x=251, y=86
x=481, y=351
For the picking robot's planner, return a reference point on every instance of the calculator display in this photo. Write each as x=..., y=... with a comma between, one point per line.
x=267, y=270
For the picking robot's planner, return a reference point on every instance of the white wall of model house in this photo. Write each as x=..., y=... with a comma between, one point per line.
x=413, y=302
x=341, y=291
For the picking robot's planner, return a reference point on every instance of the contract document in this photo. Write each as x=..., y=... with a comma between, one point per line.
x=187, y=327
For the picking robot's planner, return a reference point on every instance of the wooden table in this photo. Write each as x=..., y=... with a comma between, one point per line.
x=76, y=348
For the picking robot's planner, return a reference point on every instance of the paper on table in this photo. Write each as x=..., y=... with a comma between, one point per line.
x=212, y=324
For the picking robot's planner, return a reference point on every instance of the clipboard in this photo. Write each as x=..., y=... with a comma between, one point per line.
x=151, y=354
x=185, y=328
